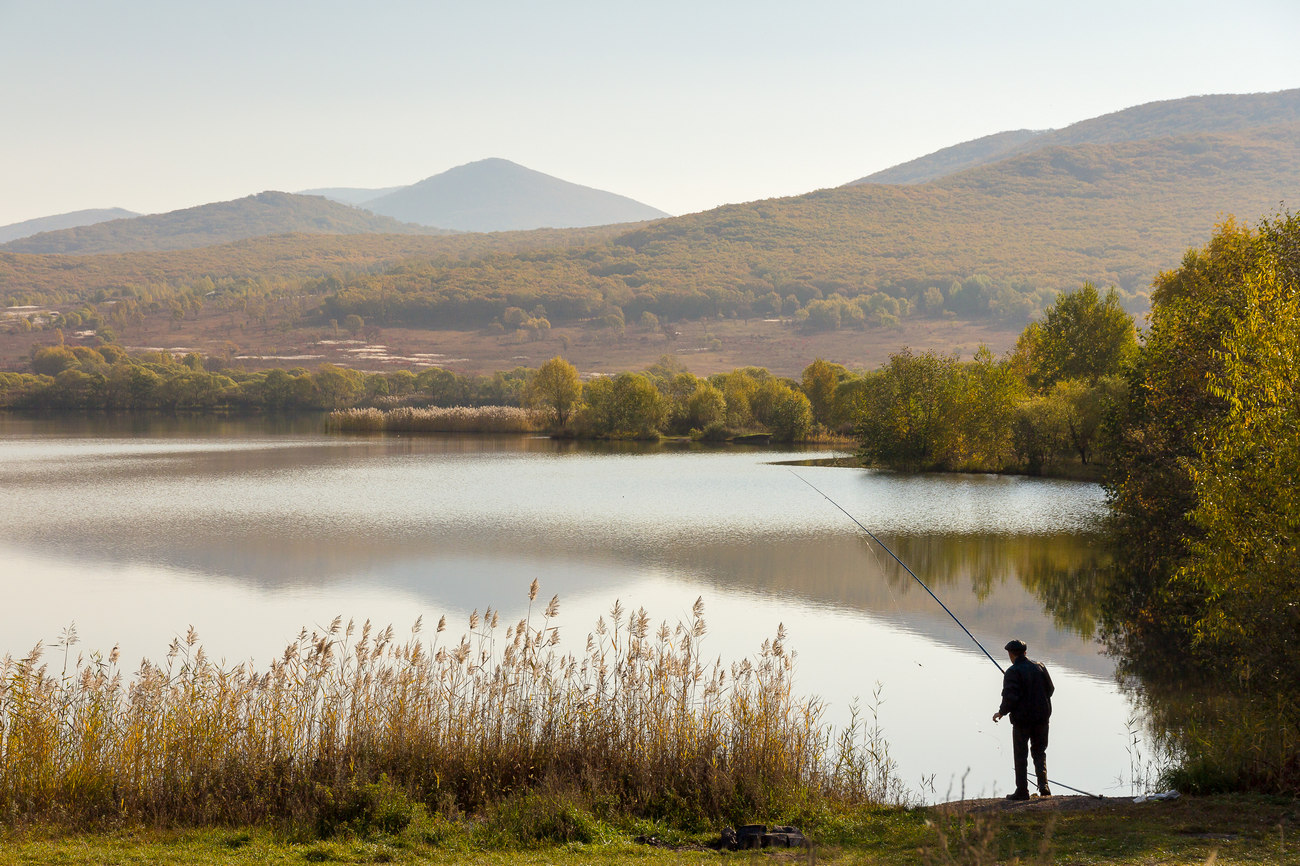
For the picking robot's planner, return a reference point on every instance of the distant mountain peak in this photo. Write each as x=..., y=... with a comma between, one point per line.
x=497, y=194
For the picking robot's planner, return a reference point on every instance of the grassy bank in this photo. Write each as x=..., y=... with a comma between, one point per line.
x=1219, y=830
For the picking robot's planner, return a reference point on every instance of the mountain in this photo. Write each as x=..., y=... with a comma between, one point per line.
x=498, y=195
x=76, y=218
x=267, y=213
x=1220, y=113
x=349, y=194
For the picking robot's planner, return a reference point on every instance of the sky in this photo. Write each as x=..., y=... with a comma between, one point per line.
x=154, y=105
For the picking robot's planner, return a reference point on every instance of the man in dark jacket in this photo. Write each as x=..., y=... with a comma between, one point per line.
x=1027, y=697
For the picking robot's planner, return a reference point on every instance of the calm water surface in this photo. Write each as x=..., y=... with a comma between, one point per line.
x=249, y=531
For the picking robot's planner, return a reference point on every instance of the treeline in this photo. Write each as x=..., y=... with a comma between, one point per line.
x=1032, y=411
x=107, y=378
x=609, y=290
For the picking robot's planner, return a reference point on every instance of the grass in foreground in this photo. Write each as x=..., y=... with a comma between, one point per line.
x=1219, y=830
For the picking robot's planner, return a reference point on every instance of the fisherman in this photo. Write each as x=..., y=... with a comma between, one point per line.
x=1027, y=697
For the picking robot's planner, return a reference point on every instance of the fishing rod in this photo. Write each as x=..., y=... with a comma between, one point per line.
x=938, y=601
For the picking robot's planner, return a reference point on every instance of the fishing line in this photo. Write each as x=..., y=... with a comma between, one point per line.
x=938, y=601
x=885, y=548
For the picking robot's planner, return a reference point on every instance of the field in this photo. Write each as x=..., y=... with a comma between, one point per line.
x=704, y=346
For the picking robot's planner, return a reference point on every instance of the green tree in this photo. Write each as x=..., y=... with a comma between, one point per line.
x=907, y=412
x=626, y=406
x=820, y=379
x=556, y=388
x=785, y=412
x=706, y=408
x=1243, y=565
x=1082, y=336
x=984, y=407
x=339, y=387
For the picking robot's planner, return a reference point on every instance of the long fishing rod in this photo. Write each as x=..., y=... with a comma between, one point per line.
x=885, y=548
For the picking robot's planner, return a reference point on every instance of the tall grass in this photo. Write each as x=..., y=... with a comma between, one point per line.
x=457, y=419
x=638, y=722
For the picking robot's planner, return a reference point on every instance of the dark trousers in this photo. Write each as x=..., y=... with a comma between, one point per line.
x=1025, y=740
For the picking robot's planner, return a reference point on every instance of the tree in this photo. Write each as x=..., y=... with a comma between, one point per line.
x=1243, y=567
x=1082, y=336
x=906, y=413
x=785, y=412
x=339, y=387
x=52, y=360
x=985, y=409
x=1201, y=453
x=705, y=408
x=555, y=387
x=626, y=406
x=819, y=380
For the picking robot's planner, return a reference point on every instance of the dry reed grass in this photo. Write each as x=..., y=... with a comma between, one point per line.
x=638, y=723
x=457, y=419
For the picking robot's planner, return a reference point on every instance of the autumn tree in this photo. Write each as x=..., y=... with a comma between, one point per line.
x=556, y=388
x=1202, y=492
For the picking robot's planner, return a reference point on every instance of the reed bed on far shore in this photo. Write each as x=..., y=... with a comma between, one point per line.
x=457, y=419
x=636, y=724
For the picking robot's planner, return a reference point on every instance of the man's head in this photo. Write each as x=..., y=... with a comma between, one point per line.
x=1015, y=649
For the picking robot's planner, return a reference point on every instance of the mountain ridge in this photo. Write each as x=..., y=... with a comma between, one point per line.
x=1225, y=112
x=57, y=222
x=261, y=214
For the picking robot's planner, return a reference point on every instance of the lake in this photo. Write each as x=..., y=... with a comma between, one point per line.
x=135, y=530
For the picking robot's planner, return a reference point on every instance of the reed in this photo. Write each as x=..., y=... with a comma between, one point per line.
x=639, y=723
x=457, y=419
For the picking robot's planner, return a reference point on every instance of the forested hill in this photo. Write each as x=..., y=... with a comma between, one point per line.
x=1223, y=113
x=498, y=195
x=1110, y=213
x=26, y=228
x=267, y=213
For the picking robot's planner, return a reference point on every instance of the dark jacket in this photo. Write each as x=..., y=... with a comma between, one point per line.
x=1027, y=693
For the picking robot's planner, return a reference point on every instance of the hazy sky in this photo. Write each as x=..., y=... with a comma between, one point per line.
x=154, y=105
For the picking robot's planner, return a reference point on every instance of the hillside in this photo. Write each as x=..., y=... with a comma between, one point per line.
x=13, y=231
x=53, y=279
x=498, y=195
x=958, y=157
x=267, y=213
x=1220, y=113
